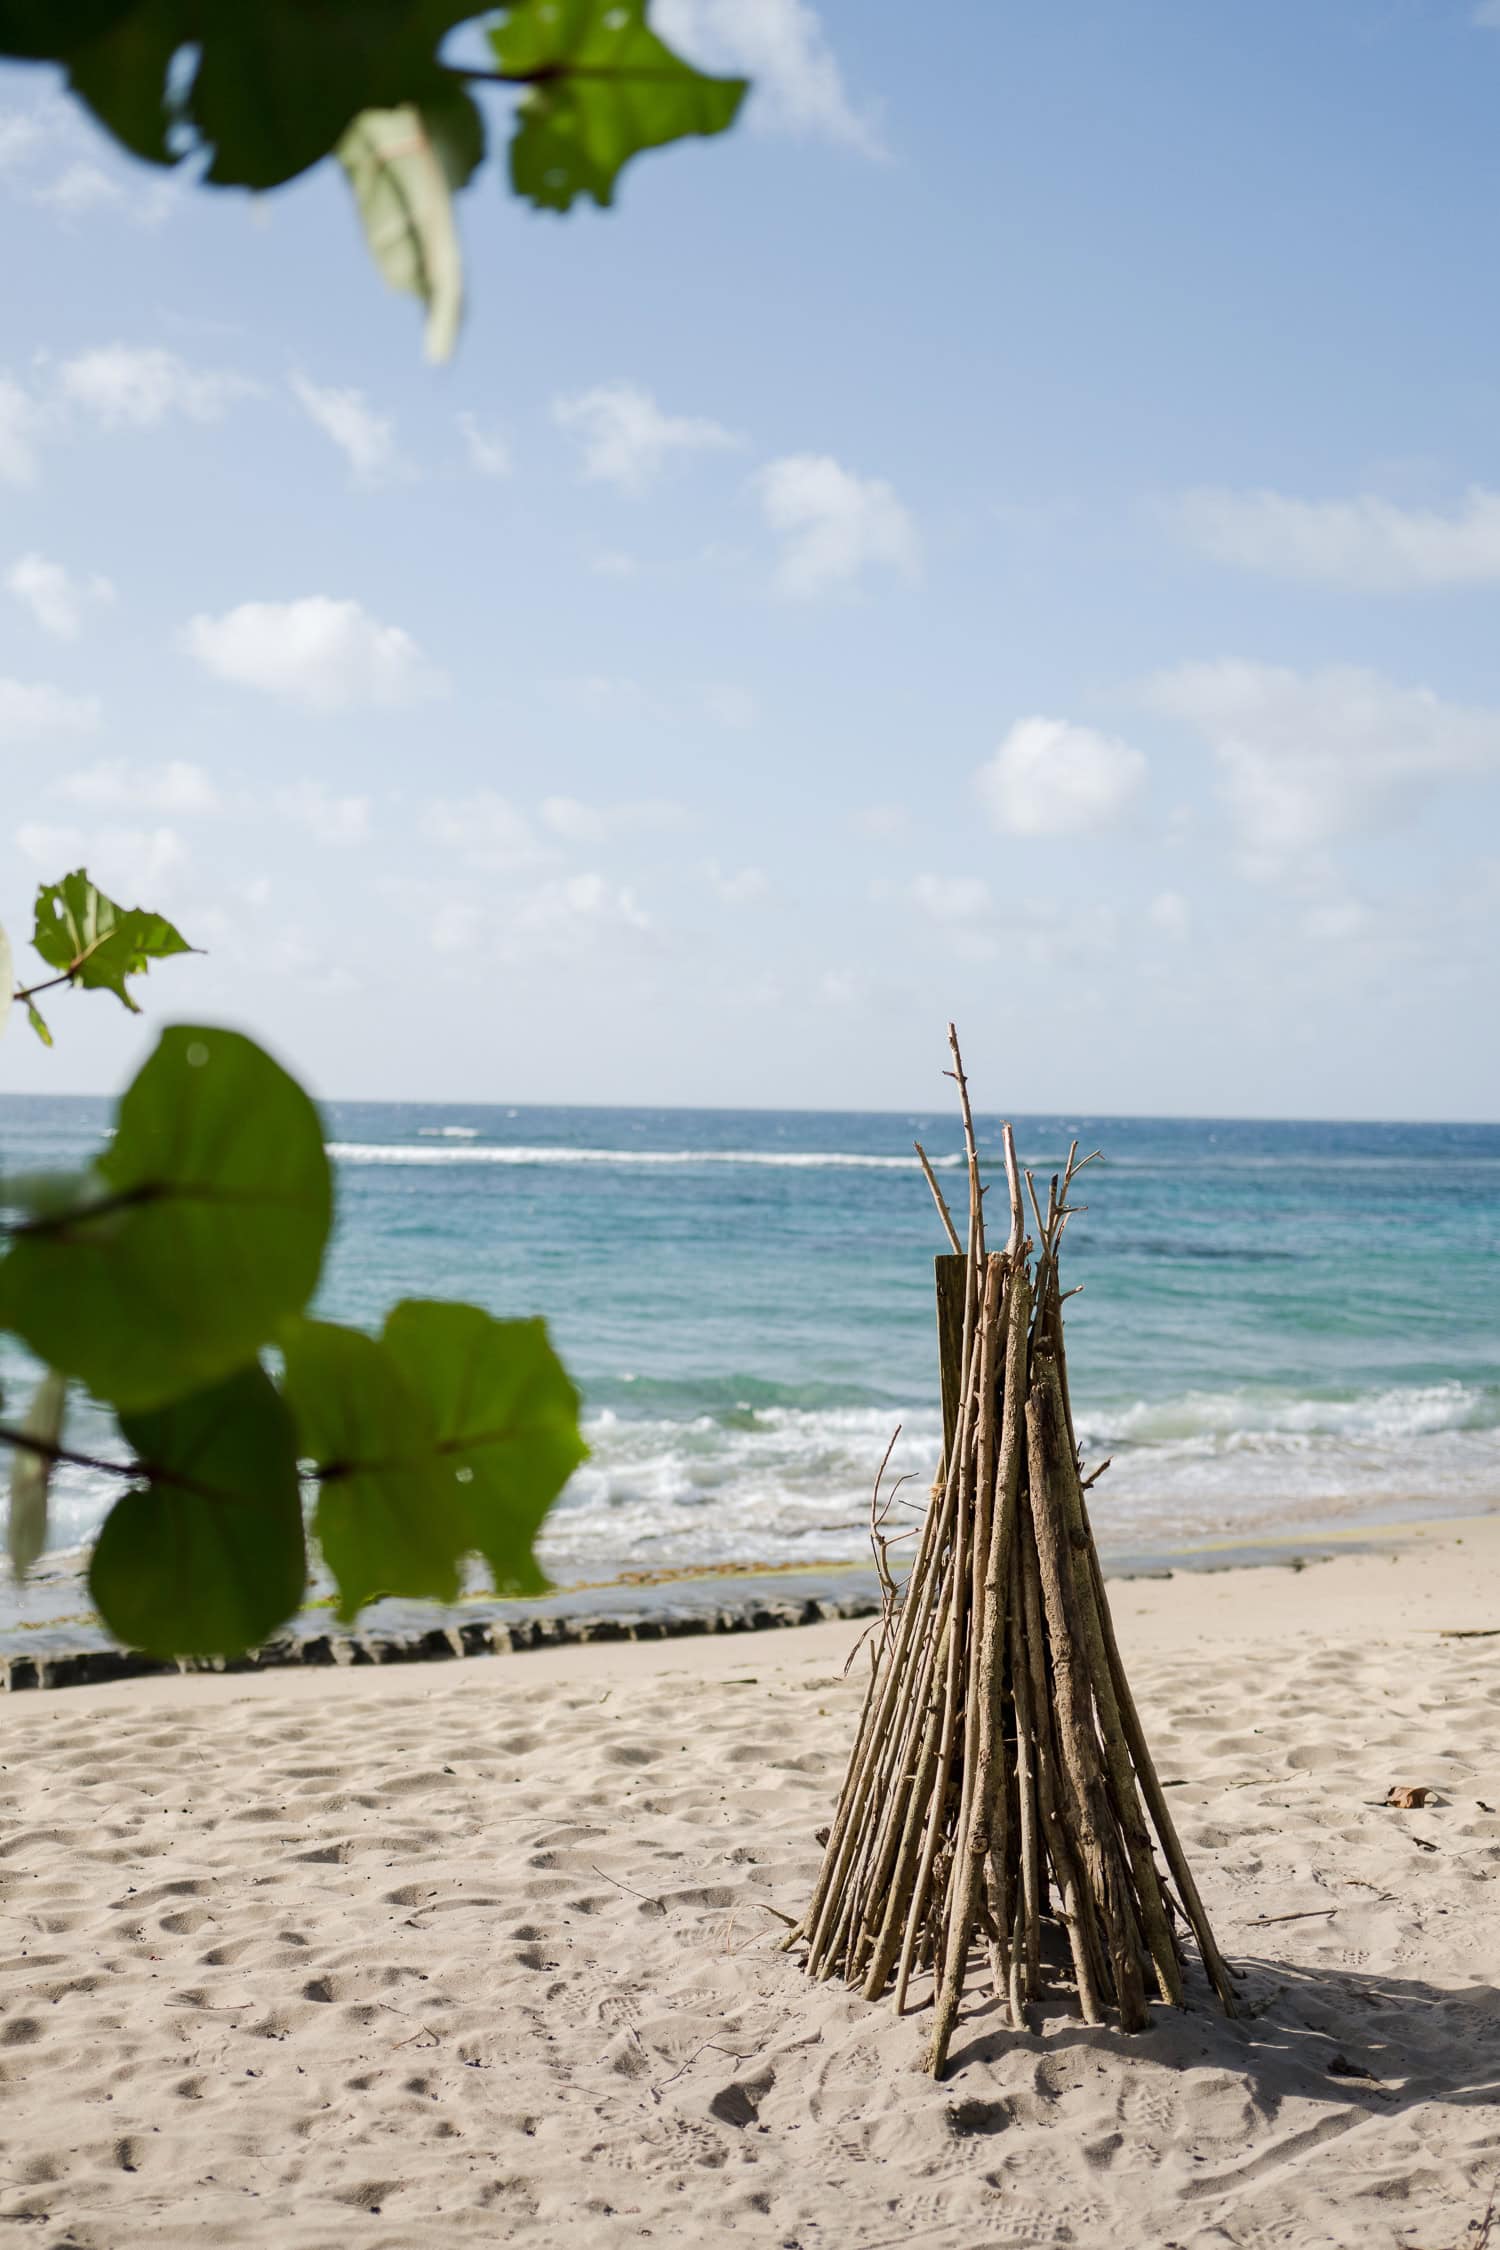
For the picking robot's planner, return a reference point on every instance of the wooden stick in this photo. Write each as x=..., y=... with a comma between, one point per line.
x=983, y=1780
x=1078, y=1913
x=875, y=1721
x=982, y=1717
x=937, y=1197
x=1127, y=1805
x=950, y=1279
x=1025, y=1962
x=1176, y=1858
x=1083, y=1807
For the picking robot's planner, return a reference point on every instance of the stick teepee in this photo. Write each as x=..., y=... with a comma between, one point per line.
x=1000, y=1775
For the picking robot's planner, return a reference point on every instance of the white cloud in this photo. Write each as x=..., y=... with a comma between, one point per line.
x=613, y=562
x=78, y=190
x=324, y=654
x=21, y=135
x=626, y=438
x=176, y=788
x=1337, y=921
x=746, y=887
x=953, y=898
x=485, y=830
x=566, y=915
x=366, y=439
x=562, y=918
x=1367, y=544
x=55, y=599
x=138, y=386
x=457, y=927
x=840, y=988
x=881, y=823
x=86, y=187
x=1050, y=778
x=20, y=427
x=834, y=524
x=729, y=706
x=1311, y=757
x=130, y=863
x=328, y=819
x=580, y=823
x=28, y=712
x=782, y=47
x=489, y=454
x=602, y=695
x=1170, y=913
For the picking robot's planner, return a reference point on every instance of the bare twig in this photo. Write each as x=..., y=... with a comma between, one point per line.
x=937, y=1196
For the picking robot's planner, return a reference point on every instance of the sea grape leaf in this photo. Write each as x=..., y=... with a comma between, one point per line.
x=122, y=76
x=267, y=86
x=43, y=30
x=31, y=1474
x=196, y=1233
x=205, y=1556
x=281, y=82
x=95, y=943
x=44, y=1194
x=507, y=1423
x=608, y=89
x=7, y=977
x=38, y=1023
x=387, y=1519
x=403, y=166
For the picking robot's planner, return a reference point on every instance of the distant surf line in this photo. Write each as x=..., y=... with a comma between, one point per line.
x=398, y=1152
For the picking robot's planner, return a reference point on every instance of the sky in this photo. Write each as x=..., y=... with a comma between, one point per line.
x=1011, y=533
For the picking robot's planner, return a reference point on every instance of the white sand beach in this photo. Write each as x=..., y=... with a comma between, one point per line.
x=484, y=1952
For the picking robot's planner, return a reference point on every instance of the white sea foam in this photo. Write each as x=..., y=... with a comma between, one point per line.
x=400, y=1152
x=781, y=1483
x=1248, y=1417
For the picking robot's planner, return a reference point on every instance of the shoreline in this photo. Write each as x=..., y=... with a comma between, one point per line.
x=684, y=1605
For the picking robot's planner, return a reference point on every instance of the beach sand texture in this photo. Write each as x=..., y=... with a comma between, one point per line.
x=483, y=1953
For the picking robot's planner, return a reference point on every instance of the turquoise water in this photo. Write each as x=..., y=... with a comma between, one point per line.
x=1284, y=1327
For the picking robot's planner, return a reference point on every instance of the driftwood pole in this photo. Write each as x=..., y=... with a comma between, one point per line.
x=1000, y=1773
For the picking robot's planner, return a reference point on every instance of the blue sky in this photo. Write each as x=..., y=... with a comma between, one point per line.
x=1012, y=532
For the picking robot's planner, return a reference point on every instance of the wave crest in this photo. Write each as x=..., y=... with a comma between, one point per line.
x=401, y=1152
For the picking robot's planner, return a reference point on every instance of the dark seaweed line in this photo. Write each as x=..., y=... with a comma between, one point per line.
x=89, y=1667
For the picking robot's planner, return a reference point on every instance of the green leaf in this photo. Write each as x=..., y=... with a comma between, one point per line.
x=506, y=1419
x=198, y=1231
x=388, y=1519
x=95, y=943
x=403, y=166
x=7, y=978
x=45, y=1195
x=122, y=75
x=31, y=1474
x=268, y=86
x=281, y=82
x=41, y=30
x=38, y=1023
x=616, y=89
x=206, y=1556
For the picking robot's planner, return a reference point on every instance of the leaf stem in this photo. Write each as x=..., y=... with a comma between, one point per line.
x=135, y=1472
x=64, y=1456
x=26, y=992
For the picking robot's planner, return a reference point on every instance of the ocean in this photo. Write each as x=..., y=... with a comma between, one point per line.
x=1285, y=1329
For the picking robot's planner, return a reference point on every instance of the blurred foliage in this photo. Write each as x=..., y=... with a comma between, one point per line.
x=258, y=91
x=158, y=1278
